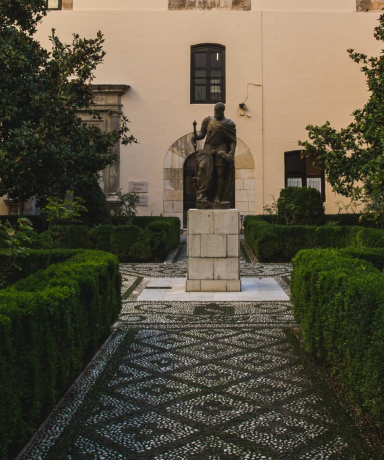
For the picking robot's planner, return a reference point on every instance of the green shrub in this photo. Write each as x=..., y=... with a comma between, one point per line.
x=125, y=241
x=347, y=219
x=300, y=206
x=125, y=236
x=144, y=221
x=366, y=237
x=169, y=228
x=96, y=204
x=38, y=223
x=375, y=256
x=142, y=250
x=105, y=234
x=77, y=237
x=3, y=239
x=279, y=243
x=49, y=323
x=36, y=260
x=338, y=300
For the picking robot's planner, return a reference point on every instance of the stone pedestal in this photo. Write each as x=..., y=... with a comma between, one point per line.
x=213, y=250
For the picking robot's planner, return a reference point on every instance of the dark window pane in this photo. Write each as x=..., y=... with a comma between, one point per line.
x=201, y=60
x=200, y=93
x=201, y=77
x=216, y=59
x=312, y=170
x=201, y=73
x=293, y=163
x=216, y=73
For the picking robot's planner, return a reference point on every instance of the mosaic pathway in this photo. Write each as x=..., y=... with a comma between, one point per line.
x=200, y=380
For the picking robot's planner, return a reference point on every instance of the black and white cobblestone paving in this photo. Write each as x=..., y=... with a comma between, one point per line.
x=198, y=380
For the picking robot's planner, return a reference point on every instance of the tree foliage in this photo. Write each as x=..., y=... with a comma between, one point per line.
x=353, y=158
x=45, y=148
x=18, y=241
x=127, y=211
x=60, y=214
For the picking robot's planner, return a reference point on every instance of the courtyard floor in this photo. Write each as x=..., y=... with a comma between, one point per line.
x=209, y=378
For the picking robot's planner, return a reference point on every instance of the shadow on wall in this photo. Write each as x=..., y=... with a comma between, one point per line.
x=244, y=5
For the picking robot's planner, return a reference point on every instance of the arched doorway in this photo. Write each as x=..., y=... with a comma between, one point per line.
x=189, y=188
x=182, y=151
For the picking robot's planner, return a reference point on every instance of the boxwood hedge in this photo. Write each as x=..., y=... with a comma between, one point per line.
x=149, y=241
x=279, y=243
x=338, y=300
x=49, y=323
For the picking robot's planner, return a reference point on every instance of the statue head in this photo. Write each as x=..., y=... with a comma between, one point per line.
x=219, y=110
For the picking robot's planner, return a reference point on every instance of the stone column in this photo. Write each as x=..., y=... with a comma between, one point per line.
x=213, y=250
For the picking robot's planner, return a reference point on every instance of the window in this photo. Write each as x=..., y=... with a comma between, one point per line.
x=301, y=172
x=207, y=74
x=54, y=4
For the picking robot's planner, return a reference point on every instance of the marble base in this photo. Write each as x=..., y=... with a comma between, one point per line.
x=213, y=250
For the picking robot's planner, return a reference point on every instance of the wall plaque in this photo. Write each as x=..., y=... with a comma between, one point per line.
x=143, y=200
x=138, y=186
x=244, y=5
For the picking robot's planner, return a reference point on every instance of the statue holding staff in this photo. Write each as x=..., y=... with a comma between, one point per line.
x=215, y=162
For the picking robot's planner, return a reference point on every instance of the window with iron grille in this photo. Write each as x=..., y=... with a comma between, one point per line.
x=54, y=4
x=207, y=74
x=300, y=171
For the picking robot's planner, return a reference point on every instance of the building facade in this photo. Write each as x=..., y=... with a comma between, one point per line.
x=169, y=61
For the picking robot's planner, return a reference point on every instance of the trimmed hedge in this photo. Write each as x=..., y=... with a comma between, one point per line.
x=49, y=323
x=37, y=260
x=338, y=300
x=279, y=243
x=123, y=239
x=130, y=243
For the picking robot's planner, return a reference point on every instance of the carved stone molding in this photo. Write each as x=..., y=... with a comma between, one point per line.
x=107, y=102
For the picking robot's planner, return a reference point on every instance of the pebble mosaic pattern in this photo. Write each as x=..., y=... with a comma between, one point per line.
x=225, y=386
x=198, y=380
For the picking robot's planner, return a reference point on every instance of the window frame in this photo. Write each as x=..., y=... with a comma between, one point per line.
x=303, y=171
x=208, y=47
x=55, y=9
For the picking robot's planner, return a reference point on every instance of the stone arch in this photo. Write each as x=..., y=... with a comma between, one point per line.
x=173, y=176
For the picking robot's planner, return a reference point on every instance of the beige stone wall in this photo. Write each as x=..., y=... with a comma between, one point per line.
x=292, y=66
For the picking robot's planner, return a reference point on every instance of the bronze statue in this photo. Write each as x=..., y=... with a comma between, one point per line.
x=215, y=162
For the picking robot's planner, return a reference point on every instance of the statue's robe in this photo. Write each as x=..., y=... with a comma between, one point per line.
x=226, y=131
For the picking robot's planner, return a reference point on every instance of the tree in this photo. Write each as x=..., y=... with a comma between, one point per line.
x=353, y=158
x=59, y=214
x=17, y=241
x=127, y=211
x=45, y=148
